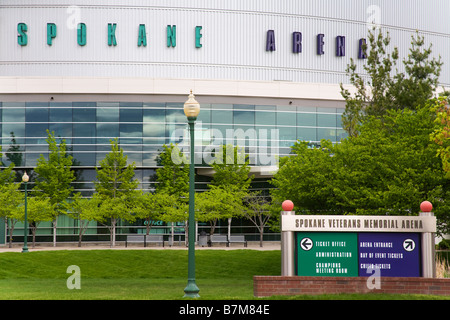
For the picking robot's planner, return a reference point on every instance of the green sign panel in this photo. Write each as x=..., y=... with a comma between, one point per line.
x=327, y=254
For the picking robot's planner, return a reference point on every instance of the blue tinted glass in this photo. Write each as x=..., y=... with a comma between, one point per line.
x=130, y=130
x=154, y=115
x=108, y=112
x=176, y=115
x=109, y=130
x=13, y=112
x=61, y=129
x=60, y=115
x=286, y=116
x=222, y=116
x=36, y=130
x=307, y=134
x=243, y=117
x=327, y=134
x=87, y=130
x=84, y=115
x=16, y=129
x=36, y=112
x=326, y=120
x=130, y=115
x=265, y=115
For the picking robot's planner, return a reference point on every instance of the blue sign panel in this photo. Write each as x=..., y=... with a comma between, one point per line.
x=389, y=254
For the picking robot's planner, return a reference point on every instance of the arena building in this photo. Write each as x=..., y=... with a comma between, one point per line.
x=266, y=74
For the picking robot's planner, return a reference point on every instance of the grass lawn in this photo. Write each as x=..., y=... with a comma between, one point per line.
x=143, y=275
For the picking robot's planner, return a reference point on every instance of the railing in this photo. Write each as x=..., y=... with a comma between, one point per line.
x=101, y=233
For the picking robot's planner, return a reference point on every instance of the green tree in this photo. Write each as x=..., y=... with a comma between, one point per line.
x=372, y=95
x=257, y=210
x=115, y=186
x=383, y=88
x=83, y=210
x=172, y=176
x=153, y=206
x=389, y=168
x=54, y=178
x=231, y=177
x=39, y=210
x=11, y=207
x=307, y=179
x=418, y=85
x=231, y=169
x=219, y=203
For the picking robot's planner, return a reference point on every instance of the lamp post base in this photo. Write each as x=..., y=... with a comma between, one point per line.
x=25, y=249
x=191, y=290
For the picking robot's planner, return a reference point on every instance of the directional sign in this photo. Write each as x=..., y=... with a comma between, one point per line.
x=393, y=254
x=327, y=254
x=409, y=245
x=306, y=244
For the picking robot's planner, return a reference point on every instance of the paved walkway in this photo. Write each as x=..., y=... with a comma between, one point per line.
x=94, y=246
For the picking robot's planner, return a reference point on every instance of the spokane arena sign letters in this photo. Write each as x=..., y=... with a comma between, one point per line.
x=171, y=35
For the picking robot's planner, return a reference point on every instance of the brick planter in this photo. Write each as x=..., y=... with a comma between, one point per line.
x=264, y=286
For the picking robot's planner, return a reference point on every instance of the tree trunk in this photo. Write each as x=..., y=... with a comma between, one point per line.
x=54, y=231
x=261, y=238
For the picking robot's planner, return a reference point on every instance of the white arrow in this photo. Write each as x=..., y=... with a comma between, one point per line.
x=306, y=244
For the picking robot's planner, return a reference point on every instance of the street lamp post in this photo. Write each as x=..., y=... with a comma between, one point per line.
x=25, y=179
x=191, y=110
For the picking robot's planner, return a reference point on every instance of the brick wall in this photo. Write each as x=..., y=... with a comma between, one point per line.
x=264, y=286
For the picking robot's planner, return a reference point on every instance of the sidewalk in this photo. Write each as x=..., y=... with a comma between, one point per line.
x=17, y=247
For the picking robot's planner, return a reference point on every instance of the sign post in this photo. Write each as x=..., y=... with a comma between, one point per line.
x=350, y=246
x=287, y=243
x=428, y=249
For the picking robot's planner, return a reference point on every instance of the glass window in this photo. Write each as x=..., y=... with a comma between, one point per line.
x=265, y=115
x=63, y=130
x=36, y=129
x=107, y=130
x=175, y=115
x=240, y=116
x=327, y=134
x=13, y=112
x=154, y=130
x=84, y=111
x=204, y=116
x=36, y=112
x=286, y=116
x=221, y=113
x=155, y=115
x=130, y=130
x=130, y=115
x=287, y=136
x=60, y=115
x=307, y=134
x=16, y=129
x=307, y=119
x=108, y=112
x=85, y=130
x=326, y=120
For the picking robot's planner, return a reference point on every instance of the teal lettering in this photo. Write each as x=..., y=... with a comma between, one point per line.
x=142, y=36
x=172, y=36
x=22, y=38
x=81, y=34
x=51, y=33
x=198, y=36
x=112, y=34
